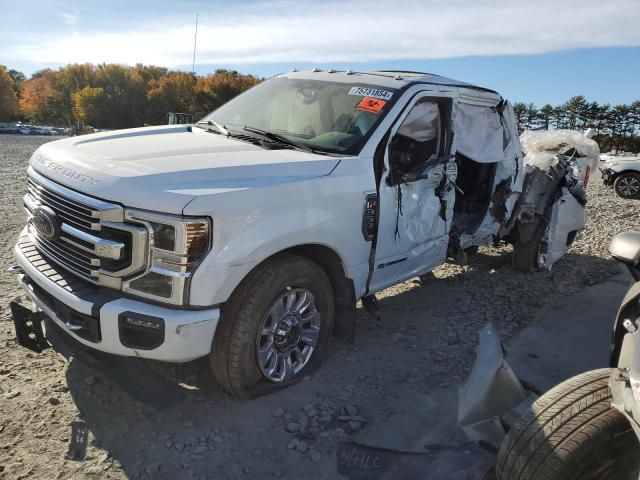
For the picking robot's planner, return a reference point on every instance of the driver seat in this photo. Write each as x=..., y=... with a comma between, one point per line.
x=626, y=247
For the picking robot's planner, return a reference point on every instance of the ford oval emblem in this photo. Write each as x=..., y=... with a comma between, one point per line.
x=46, y=223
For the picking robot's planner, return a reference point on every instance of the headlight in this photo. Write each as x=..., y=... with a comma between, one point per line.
x=177, y=244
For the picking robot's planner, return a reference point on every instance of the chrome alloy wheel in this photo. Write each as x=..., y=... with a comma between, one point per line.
x=629, y=186
x=288, y=334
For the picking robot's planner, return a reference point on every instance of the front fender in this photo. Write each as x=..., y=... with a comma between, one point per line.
x=252, y=225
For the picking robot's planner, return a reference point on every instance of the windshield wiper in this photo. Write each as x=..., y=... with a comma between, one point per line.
x=221, y=128
x=276, y=137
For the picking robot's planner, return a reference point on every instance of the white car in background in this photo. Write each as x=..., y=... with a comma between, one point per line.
x=623, y=174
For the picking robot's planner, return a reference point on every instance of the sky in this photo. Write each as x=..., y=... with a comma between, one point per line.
x=540, y=51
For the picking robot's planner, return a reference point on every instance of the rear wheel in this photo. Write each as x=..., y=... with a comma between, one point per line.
x=274, y=328
x=532, y=256
x=571, y=433
x=627, y=185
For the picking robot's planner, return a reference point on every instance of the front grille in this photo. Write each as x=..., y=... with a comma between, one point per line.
x=69, y=257
x=92, y=240
x=70, y=211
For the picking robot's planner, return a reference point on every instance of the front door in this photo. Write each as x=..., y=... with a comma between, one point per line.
x=416, y=193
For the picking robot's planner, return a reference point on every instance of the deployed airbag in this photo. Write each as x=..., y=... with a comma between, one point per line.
x=421, y=123
x=479, y=133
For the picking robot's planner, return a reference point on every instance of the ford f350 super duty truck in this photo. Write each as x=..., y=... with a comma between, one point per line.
x=249, y=236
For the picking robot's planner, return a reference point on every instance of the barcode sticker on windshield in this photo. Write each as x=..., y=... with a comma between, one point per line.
x=371, y=92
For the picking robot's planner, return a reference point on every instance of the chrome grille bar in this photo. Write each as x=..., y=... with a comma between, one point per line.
x=93, y=241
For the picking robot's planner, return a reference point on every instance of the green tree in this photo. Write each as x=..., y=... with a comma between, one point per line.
x=88, y=104
x=530, y=116
x=18, y=79
x=545, y=116
x=574, y=111
x=520, y=110
x=67, y=81
x=125, y=93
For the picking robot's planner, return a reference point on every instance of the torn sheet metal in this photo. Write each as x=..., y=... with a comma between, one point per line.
x=420, y=220
x=552, y=152
x=490, y=392
x=567, y=219
x=467, y=462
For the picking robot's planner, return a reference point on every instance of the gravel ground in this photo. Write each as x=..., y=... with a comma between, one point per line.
x=69, y=414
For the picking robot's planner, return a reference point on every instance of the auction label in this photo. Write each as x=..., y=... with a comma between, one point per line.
x=371, y=92
x=372, y=105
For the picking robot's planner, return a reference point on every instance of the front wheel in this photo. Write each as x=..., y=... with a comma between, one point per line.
x=627, y=185
x=571, y=433
x=274, y=328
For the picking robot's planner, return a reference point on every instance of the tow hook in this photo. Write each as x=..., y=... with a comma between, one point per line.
x=17, y=270
x=28, y=325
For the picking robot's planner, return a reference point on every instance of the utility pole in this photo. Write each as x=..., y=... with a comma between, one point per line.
x=195, y=40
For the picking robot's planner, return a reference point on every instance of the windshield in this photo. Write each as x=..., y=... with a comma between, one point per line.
x=324, y=116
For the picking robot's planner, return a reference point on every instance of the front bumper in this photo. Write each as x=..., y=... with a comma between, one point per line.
x=607, y=177
x=95, y=316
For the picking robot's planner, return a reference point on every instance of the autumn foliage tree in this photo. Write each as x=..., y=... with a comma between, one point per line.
x=35, y=98
x=173, y=92
x=118, y=96
x=218, y=88
x=114, y=96
x=8, y=98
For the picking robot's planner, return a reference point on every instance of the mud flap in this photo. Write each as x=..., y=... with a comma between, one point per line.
x=28, y=326
x=467, y=462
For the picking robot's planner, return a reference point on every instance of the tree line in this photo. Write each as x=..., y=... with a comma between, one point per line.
x=117, y=96
x=114, y=96
x=616, y=126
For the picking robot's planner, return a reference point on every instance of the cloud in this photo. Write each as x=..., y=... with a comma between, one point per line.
x=71, y=18
x=333, y=31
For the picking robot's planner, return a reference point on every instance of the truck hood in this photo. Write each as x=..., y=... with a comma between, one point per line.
x=164, y=168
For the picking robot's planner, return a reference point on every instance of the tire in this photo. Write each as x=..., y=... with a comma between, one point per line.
x=627, y=185
x=236, y=345
x=571, y=433
x=526, y=256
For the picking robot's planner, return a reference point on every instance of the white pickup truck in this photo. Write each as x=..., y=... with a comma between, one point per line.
x=250, y=236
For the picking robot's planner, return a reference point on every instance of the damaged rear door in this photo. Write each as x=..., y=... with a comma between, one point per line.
x=416, y=192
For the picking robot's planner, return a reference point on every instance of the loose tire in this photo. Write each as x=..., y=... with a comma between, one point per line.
x=627, y=185
x=571, y=433
x=260, y=315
